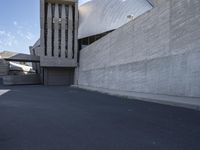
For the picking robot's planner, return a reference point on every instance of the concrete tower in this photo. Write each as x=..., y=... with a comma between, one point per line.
x=58, y=41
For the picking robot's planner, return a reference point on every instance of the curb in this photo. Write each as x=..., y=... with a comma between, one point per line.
x=184, y=102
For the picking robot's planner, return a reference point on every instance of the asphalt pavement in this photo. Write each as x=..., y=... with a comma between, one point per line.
x=63, y=118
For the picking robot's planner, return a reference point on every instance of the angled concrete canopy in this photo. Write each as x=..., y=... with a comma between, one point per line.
x=12, y=56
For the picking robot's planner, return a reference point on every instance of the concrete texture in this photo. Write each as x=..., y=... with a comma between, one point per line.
x=49, y=30
x=12, y=56
x=21, y=79
x=70, y=35
x=61, y=118
x=59, y=33
x=4, y=67
x=57, y=62
x=58, y=43
x=186, y=102
x=157, y=53
x=156, y=3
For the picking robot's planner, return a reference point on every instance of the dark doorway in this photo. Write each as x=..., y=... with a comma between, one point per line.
x=58, y=76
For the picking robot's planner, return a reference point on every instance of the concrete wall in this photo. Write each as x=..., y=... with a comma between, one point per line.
x=21, y=79
x=158, y=53
x=59, y=33
x=4, y=67
x=156, y=3
x=58, y=44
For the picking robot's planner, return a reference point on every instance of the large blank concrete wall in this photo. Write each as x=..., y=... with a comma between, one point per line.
x=159, y=53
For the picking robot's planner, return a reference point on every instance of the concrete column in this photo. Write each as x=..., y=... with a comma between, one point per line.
x=63, y=37
x=42, y=22
x=56, y=31
x=76, y=32
x=70, y=29
x=49, y=31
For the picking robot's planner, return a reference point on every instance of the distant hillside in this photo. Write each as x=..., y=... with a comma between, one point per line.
x=4, y=54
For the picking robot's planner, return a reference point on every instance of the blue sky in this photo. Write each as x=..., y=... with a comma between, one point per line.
x=19, y=24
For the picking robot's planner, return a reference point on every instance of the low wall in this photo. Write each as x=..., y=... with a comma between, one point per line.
x=156, y=53
x=4, y=67
x=21, y=79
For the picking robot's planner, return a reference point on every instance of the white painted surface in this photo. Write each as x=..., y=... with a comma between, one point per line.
x=3, y=92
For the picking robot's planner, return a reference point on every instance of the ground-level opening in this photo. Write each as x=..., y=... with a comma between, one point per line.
x=58, y=76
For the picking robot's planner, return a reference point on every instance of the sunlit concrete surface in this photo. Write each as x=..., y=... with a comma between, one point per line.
x=157, y=53
x=61, y=118
x=99, y=16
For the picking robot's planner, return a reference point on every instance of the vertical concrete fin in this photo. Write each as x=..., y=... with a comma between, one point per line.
x=76, y=32
x=63, y=37
x=42, y=22
x=49, y=32
x=70, y=28
x=56, y=31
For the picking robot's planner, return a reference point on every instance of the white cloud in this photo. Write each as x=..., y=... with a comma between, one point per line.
x=29, y=36
x=25, y=35
x=2, y=32
x=20, y=33
x=15, y=23
x=7, y=40
x=19, y=38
